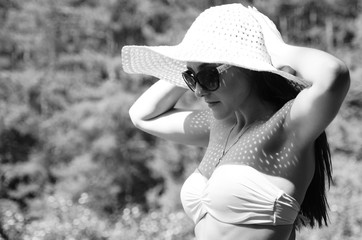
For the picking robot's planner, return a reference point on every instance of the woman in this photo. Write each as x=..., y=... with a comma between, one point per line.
x=267, y=156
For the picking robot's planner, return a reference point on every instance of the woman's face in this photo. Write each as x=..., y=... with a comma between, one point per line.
x=235, y=88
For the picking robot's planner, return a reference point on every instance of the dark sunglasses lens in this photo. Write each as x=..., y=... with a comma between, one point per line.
x=189, y=80
x=209, y=79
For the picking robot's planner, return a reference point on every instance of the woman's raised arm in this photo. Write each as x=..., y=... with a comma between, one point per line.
x=154, y=112
x=315, y=107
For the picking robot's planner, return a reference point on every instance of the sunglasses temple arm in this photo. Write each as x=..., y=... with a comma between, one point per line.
x=223, y=67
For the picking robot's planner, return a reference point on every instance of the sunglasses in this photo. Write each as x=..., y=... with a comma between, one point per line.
x=208, y=78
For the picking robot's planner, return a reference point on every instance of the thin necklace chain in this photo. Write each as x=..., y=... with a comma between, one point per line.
x=225, y=151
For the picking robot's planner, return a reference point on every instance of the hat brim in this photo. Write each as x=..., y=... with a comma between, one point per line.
x=168, y=62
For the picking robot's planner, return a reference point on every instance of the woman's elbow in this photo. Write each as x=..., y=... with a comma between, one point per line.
x=341, y=78
x=136, y=119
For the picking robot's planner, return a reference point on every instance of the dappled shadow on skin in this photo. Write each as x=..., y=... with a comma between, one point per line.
x=198, y=123
x=264, y=147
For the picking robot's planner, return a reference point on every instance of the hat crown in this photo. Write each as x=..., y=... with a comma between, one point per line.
x=226, y=34
x=229, y=31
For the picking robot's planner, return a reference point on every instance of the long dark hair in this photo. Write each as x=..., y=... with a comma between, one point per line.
x=277, y=90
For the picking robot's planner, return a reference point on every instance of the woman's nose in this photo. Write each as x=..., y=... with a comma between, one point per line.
x=200, y=91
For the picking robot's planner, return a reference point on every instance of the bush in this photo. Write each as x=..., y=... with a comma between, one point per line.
x=59, y=218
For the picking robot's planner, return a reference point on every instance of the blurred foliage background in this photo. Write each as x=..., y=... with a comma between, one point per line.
x=72, y=166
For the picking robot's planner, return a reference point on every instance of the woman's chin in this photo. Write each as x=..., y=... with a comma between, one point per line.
x=219, y=115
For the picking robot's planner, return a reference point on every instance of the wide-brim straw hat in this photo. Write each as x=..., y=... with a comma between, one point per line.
x=226, y=34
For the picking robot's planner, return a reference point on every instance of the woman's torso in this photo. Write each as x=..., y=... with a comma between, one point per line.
x=273, y=151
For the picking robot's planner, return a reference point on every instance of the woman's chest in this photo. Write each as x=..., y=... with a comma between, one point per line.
x=266, y=147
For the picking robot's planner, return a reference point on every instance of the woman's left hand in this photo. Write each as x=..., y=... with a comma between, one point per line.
x=272, y=38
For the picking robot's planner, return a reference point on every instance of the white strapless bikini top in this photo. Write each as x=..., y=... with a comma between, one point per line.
x=237, y=194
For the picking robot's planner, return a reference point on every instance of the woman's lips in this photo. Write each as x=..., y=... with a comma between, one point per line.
x=212, y=104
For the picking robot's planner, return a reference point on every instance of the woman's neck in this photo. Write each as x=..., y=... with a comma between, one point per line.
x=252, y=113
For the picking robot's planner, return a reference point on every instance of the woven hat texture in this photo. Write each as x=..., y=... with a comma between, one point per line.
x=226, y=34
